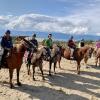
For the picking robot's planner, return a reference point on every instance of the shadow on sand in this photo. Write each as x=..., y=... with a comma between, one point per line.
x=66, y=80
x=46, y=93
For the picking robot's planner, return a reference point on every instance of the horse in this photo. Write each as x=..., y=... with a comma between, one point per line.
x=78, y=54
x=55, y=57
x=59, y=57
x=97, y=57
x=49, y=56
x=15, y=59
x=36, y=60
x=88, y=55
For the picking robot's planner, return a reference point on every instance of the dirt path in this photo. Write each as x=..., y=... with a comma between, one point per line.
x=65, y=85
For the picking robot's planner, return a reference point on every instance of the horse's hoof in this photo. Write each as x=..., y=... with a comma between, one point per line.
x=11, y=86
x=19, y=84
x=43, y=79
x=50, y=75
x=28, y=74
x=55, y=73
x=78, y=73
x=33, y=79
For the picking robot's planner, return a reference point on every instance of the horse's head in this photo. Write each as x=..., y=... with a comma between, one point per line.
x=26, y=45
x=56, y=50
x=90, y=51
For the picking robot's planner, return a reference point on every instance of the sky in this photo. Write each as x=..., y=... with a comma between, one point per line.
x=64, y=16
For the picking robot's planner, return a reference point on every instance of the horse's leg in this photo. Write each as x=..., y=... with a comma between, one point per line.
x=78, y=67
x=96, y=61
x=99, y=62
x=18, y=83
x=28, y=69
x=50, y=64
x=40, y=66
x=11, y=76
x=59, y=64
x=85, y=60
x=55, y=66
x=33, y=72
x=59, y=60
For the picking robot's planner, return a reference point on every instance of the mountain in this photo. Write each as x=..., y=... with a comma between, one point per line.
x=56, y=36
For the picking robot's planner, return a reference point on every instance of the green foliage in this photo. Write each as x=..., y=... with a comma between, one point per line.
x=43, y=42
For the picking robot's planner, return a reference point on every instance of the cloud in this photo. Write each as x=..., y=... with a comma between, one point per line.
x=37, y=22
x=82, y=21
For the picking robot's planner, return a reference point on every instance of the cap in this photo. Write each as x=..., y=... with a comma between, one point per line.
x=34, y=35
x=7, y=32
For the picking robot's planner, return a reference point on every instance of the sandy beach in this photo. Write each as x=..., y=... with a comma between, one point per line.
x=65, y=85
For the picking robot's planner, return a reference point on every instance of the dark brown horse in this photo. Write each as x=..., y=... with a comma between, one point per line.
x=14, y=60
x=78, y=55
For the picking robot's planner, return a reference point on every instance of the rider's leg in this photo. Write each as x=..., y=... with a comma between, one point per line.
x=3, y=57
x=71, y=54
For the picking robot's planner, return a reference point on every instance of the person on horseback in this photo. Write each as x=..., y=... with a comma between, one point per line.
x=82, y=43
x=97, y=45
x=34, y=47
x=49, y=43
x=34, y=41
x=72, y=46
x=7, y=45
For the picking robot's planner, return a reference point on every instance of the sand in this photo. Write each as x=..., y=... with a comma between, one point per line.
x=65, y=85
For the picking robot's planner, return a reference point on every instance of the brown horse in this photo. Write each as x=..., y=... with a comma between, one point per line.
x=88, y=55
x=36, y=60
x=14, y=61
x=51, y=56
x=78, y=55
x=97, y=56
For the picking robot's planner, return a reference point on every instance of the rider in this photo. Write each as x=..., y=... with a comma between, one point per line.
x=49, y=43
x=97, y=45
x=34, y=43
x=72, y=46
x=7, y=45
x=82, y=43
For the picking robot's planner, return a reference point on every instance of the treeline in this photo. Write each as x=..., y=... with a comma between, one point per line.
x=64, y=44
x=60, y=43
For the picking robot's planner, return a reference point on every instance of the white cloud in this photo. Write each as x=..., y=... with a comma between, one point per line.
x=39, y=22
x=98, y=34
x=81, y=22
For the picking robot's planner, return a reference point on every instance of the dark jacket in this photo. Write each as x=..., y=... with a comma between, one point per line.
x=71, y=44
x=34, y=42
x=82, y=43
x=6, y=43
